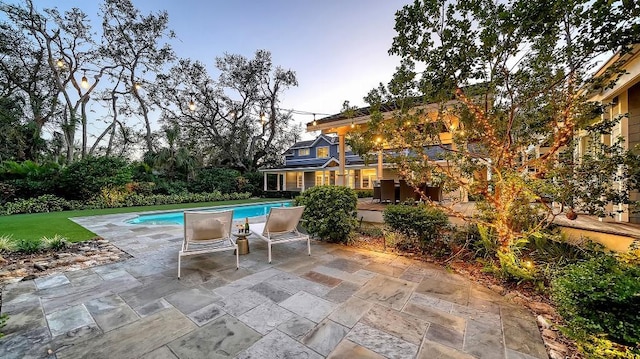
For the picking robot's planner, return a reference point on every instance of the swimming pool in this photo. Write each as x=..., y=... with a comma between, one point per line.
x=239, y=212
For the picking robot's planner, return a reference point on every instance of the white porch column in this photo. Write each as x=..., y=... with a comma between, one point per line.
x=379, y=169
x=341, y=180
x=278, y=181
x=302, y=188
x=265, y=181
x=284, y=181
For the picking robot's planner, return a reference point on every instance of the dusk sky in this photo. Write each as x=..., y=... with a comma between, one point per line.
x=338, y=48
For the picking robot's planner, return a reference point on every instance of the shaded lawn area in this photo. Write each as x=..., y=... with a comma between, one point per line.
x=38, y=225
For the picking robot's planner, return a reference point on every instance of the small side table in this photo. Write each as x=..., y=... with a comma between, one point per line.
x=242, y=242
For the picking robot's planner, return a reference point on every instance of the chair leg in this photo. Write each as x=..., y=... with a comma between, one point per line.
x=269, y=250
x=237, y=258
x=179, y=266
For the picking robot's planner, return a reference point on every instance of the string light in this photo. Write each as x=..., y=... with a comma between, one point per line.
x=262, y=117
x=137, y=86
x=84, y=82
x=192, y=104
x=315, y=123
x=353, y=125
x=60, y=63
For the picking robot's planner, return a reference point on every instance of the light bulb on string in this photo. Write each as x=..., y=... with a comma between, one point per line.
x=84, y=82
x=315, y=123
x=192, y=104
x=262, y=117
x=60, y=63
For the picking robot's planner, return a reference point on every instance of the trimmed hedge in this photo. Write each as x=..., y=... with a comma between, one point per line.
x=330, y=212
x=112, y=199
x=422, y=222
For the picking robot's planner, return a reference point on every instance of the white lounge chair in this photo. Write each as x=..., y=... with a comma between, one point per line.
x=207, y=232
x=281, y=227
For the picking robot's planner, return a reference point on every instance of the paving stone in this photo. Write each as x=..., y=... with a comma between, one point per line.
x=445, y=335
x=135, y=339
x=241, y=302
x=296, y=327
x=19, y=303
x=413, y=274
x=152, y=307
x=350, y=312
x=345, y=265
x=403, y=326
x=110, y=312
x=427, y=301
x=293, y=284
x=25, y=344
x=25, y=320
x=246, y=282
x=385, y=269
x=71, y=296
x=484, y=340
x=433, y=350
x=322, y=279
x=270, y=291
x=51, y=281
x=68, y=319
x=147, y=293
x=278, y=345
x=309, y=306
x=360, y=280
x=387, y=291
x=82, y=277
x=266, y=317
x=223, y=338
x=325, y=336
x=522, y=335
x=74, y=337
x=160, y=353
x=436, y=316
x=349, y=350
x=190, y=300
x=512, y=354
x=342, y=292
x=476, y=314
x=13, y=290
x=484, y=305
x=196, y=277
x=381, y=342
x=206, y=314
x=213, y=283
x=452, y=292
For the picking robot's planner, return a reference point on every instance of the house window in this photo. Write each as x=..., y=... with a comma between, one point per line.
x=367, y=177
x=299, y=179
x=321, y=178
x=322, y=152
x=303, y=152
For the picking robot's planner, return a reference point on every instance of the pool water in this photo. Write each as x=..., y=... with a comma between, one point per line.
x=239, y=212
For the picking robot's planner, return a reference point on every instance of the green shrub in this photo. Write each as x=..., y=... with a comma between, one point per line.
x=364, y=193
x=330, y=212
x=29, y=246
x=255, y=183
x=3, y=321
x=86, y=178
x=7, y=243
x=215, y=179
x=423, y=222
x=44, y=203
x=601, y=296
x=170, y=187
x=56, y=242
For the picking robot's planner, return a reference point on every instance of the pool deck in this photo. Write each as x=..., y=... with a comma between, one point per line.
x=340, y=302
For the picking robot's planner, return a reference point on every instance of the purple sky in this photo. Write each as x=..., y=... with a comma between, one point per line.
x=338, y=48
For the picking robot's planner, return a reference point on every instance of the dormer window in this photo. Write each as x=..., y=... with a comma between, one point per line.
x=322, y=152
x=303, y=152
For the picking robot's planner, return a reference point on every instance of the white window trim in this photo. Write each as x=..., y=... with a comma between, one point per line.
x=328, y=152
x=308, y=152
x=299, y=179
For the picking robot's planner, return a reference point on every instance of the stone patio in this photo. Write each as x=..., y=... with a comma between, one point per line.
x=339, y=303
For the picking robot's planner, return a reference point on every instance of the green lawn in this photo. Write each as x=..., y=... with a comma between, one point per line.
x=37, y=225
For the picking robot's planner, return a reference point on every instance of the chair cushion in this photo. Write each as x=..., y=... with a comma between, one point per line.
x=207, y=229
x=278, y=224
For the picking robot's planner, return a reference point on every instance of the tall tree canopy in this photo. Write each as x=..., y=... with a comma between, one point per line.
x=508, y=78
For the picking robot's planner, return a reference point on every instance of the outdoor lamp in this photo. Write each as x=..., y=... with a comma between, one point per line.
x=60, y=62
x=315, y=123
x=84, y=82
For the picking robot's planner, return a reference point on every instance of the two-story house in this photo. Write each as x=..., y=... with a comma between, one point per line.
x=317, y=162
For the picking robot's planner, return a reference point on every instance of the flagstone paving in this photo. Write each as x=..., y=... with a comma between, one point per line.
x=340, y=302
